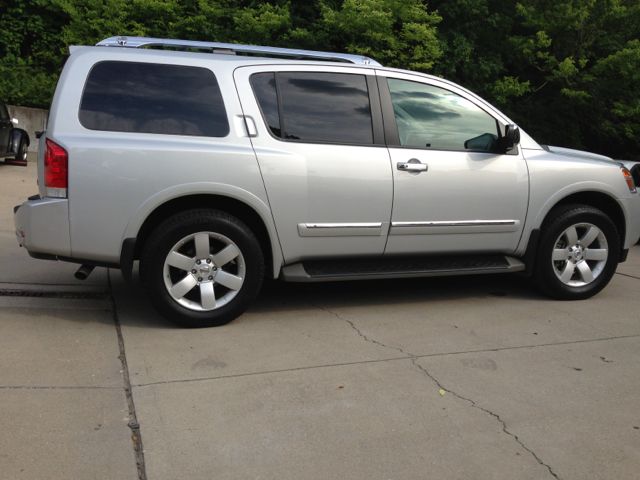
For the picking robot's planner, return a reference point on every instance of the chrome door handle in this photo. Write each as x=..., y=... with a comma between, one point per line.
x=252, y=131
x=412, y=167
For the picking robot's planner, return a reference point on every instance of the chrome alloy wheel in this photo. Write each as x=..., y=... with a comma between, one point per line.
x=580, y=254
x=204, y=271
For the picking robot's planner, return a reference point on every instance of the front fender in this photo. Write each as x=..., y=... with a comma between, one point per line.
x=598, y=187
x=209, y=188
x=538, y=212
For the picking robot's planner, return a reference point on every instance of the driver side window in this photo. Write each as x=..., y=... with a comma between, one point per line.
x=435, y=118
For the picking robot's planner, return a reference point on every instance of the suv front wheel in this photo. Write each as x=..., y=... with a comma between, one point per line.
x=578, y=253
x=202, y=268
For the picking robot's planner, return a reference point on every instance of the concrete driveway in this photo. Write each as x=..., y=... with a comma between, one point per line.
x=445, y=378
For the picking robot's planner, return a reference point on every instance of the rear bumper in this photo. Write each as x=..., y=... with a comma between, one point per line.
x=42, y=226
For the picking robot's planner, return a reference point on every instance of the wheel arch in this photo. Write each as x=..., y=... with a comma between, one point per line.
x=598, y=198
x=243, y=205
x=16, y=136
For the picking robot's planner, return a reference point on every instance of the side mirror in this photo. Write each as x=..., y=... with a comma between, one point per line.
x=14, y=120
x=511, y=137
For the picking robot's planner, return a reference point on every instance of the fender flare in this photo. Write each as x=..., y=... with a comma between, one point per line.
x=582, y=187
x=15, y=137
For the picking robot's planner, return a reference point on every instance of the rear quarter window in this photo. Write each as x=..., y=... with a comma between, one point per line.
x=153, y=98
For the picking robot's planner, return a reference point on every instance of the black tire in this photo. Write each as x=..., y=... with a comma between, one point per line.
x=215, y=225
x=547, y=273
x=21, y=155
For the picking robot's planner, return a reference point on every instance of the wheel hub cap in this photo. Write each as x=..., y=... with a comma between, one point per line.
x=577, y=253
x=580, y=254
x=205, y=270
x=209, y=279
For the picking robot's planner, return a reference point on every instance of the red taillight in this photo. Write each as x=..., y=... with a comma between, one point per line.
x=55, y=169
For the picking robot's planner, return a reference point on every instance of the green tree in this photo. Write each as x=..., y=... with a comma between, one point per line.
x=581, y=59
x=30, y=51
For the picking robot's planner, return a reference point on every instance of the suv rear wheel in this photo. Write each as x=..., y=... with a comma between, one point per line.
x=202, y=268
x=578, y=253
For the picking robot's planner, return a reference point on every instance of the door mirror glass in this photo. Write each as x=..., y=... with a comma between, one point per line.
x=486, y=142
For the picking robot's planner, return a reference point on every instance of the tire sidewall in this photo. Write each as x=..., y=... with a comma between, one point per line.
x=161, y=242
x=545, y=275
x=22, y=150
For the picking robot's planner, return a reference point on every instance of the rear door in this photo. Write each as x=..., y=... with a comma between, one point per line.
x=320, y=146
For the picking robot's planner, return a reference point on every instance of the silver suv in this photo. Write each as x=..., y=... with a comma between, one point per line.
x=215, y=169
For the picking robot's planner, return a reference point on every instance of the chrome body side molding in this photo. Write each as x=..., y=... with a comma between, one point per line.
x=342, y=229
x=448, y=227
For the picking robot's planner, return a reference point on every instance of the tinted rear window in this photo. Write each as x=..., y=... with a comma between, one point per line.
x=325, y=107
x=264, y=88
x=153, y=98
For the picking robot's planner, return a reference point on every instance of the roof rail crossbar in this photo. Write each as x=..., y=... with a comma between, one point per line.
x=137, y=42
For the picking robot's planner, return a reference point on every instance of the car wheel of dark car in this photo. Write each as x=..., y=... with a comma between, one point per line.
x=22, y=153
x=578, y=253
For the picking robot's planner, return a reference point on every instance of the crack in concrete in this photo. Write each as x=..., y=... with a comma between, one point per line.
x=414, y=360
x=495, y=415
x=133, y=424
x=573, y=317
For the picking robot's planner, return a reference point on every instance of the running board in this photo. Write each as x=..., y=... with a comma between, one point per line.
x=399, y=268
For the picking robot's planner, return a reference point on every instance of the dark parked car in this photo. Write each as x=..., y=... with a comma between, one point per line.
x=14, y=141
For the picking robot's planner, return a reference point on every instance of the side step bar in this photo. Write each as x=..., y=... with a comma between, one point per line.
x=399, y=268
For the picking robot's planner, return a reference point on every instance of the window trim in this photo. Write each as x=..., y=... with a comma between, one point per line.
x=86, y=81
x=391, y=125
x=377, y=127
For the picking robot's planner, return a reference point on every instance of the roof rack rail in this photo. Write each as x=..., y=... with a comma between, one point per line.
x=231, y=48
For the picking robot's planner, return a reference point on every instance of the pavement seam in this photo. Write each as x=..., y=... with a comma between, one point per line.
x=18, y=387
x=267, y=372
x=133, y=424
x=414, y=360
x=52, y=284
x=573, y=317
x=500, y=349
x=364, y=362
x=627, y=275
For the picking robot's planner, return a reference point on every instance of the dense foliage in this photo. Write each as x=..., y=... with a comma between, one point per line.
x=567, y=71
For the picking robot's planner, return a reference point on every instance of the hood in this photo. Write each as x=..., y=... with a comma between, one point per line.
x=569, y=152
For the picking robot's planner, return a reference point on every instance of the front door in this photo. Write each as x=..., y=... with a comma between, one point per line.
x=320, y=146
x=454, y=191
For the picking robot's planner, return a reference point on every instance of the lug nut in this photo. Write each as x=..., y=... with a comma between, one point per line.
x=210, y=277
x=208, y=260
x=194, y=271
x=198, y=262
x=199, y=279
